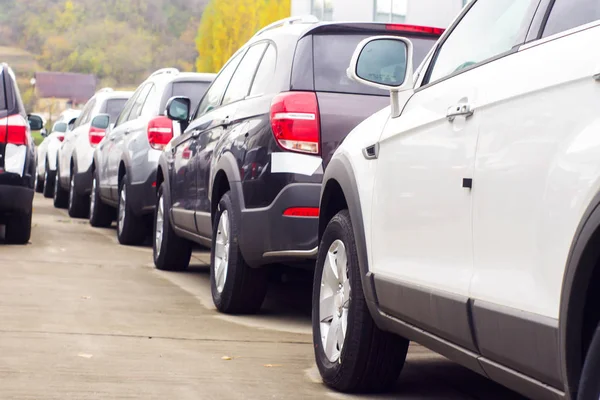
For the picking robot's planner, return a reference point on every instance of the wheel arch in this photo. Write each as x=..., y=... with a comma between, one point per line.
x=580, y=295
x=225, y=176
x=339, y=180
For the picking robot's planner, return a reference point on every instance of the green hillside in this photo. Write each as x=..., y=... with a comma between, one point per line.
x=120, y=41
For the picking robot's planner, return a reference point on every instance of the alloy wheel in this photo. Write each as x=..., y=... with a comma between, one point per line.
x=334, y=301
x=222, y=251
x=93, y=197
x=122, y=208
x=71, y=192
x=160, y=212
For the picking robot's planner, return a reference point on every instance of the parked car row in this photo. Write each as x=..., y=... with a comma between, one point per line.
x=463, y=216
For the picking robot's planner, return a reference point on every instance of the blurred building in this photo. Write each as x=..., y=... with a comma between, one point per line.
x=437, y=13
x=58, y=91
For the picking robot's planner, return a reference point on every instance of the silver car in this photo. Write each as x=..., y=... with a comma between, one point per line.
x=125, y=162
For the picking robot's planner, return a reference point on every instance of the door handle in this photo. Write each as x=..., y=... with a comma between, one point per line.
x=465, y=110
x=111, y=138
x=127, y=131
x=597, y=77
x=196, y=133
x=226, y=122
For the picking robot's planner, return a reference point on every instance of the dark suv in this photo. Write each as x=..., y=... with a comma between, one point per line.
x=124, y=165
x=17, y=160
x=245, y=177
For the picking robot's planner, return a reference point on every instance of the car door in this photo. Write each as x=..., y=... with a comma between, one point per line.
x=120, y=136
x=422, y=247
x=70, y=141
x=208, y=122
x=536, y=172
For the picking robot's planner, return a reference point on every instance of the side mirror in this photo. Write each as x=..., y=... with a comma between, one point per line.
x=178, y=108
x=36, y=123
x=384, y=62
x=43, y=132
x=101, y=121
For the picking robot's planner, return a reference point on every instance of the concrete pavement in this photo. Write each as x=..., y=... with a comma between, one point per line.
x=84, y=318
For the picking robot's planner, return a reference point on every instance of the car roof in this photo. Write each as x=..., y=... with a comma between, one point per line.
x=301, y=29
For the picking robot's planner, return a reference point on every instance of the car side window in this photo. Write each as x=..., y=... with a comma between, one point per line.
x=488, y=29
x=2, y=97
x=242, y=79
x=265, y=72
x=568, y=14
x=85, y=114
x=127, y=108
x=213, y=97
x=136, y=109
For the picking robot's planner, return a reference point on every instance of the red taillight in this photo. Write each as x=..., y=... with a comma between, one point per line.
x=295, y=121
x=302, y=212
x=415, y=29
x=13, y=130
x=96, y=135
x=60, y=137
x=160, y=132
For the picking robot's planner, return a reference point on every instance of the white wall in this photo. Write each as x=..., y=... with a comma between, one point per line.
x=353, y=10
x=301, y=7
x=437, y=13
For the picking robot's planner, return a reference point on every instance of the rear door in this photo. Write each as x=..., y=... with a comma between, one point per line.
x=208, y=123
x=343, y=103
x=3, y=120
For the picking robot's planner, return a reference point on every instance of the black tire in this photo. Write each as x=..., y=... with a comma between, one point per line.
x=39, y=183
x=370, y=359
x=61, y=196
x=18, y=229
x=171, y=253
x=49, y=181
x=101, y=215
x=589, y=385
x=79, y=206
x=245, y=287
x=131, y=229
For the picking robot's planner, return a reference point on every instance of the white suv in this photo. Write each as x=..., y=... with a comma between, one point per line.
x=74, y=173
x=47, y=152
x=465, y=216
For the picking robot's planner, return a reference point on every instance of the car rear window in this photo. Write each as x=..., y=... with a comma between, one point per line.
x=114, y=108
x=60, y=127
x=194, y=90
x=332, y=54
x=2, y=93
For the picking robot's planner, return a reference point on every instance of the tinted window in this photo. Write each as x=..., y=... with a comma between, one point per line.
x=127, y=108
x=332, y=54
x=136, y=110
x=489, y=28
x=192, y=90
x=114, y=107
x=568, y=14
x=213, y=97
x=265, y=72
x=60, y=127
x=85, y=116
x=241, y=81
x=2, y=94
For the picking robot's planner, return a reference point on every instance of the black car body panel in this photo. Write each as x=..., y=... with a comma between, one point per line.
x=238, y=134
x=16, y=185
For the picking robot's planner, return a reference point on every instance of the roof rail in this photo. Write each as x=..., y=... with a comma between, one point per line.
x=165, y=71
x=104, y=90
x=305, y=19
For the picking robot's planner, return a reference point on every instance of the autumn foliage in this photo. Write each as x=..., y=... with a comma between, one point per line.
x=227, y=24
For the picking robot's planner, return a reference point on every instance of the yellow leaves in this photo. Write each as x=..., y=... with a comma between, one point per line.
x=227, y=24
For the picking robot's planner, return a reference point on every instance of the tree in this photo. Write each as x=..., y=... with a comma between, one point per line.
x=227, y=24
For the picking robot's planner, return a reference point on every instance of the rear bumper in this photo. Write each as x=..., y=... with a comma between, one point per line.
x=142, y=196
x=15, y=199
x=267, y=236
